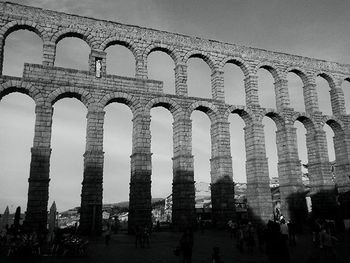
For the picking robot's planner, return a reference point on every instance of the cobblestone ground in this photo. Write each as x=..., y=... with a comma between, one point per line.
x=121, y=249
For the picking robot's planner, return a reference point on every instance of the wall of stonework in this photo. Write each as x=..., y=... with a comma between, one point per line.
x=47, y=84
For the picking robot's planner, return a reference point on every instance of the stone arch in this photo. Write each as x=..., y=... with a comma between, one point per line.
x=239, y=62
x=132, y=102
x=241, y=111
x=276, y=74
x=78, y=33
x=306, y=120
x=163, y=48
x=328, y=77
x=169, y=104
x=26, y=25
x=71, y=92
x=334, y=123
x=277, y=118
x=206, y=107
x=201, y=55
x=121, y=41
x=22, y=87
x=300, y=73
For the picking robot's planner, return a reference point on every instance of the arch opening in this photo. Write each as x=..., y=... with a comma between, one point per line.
x=346, y=90
x=68, y=146
x=162, y=153
x=199, y=80
x=234, y=84
x=271, y=146
x=120, y=60
x=160, y=67
x=323, y=94
x=22, y=46
x=295, y=88
x=266, y=90
x=72, y=52
x=16, y=140
x=117, y=147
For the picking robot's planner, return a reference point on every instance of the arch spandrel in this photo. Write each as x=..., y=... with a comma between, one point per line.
x=206, y=107
x=24, y=25
x=129, y=100
x=167, y=103
x=71, y=92
x=22, y=87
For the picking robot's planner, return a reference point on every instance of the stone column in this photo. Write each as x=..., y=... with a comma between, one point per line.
x=91, y=193
x=282, y=95
x=181, y=79
x=222, y=186
x=310, y=96
x=217, y=85
x=141, y=67
x=258, y=182
x=251, y=90
x=97, y=63
x=293, y=204
x=38, y=191
x=319, y=168
x=49, y=53
x=183, y=209
x=337, y=101
x=140, y=207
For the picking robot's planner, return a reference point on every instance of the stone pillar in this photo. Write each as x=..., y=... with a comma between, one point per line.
x=222, y=186
x=141, y=67
x=97, y=63
x=258, y=182
x=319, y=168
x=91, y=193
x=282, y=95
x=293, y=203
x=181, y=79
x=337, y=101
x=251, y=90
x=217, y=85
x=342, y=161
x=310, y=96
x=140, y=207
x=49, y=53
x=183, y=209
x=38, y=191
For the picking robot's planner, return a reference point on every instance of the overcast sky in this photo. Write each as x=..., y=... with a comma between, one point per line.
x=318, y=29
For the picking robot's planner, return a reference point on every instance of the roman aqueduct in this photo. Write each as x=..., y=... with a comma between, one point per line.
x=46, y=84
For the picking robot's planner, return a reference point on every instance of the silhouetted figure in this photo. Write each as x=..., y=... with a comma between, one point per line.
x=186, y=246
x=291, y=232
x=138, y=237
x=326, y=244
x=250, y=237
x=146, y=237
x=108, y=235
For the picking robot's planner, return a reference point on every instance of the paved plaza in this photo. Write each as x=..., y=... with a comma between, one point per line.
x=122, y=249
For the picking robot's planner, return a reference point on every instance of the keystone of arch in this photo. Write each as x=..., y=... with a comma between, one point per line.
x=171, y=105
x=129, y=100
x=28, y=25
x=71, y=92
x=22, y=87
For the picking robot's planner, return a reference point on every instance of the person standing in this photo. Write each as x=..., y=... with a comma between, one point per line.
x=186, y=246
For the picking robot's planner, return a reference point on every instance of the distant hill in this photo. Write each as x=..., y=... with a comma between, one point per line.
x=124, y=204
